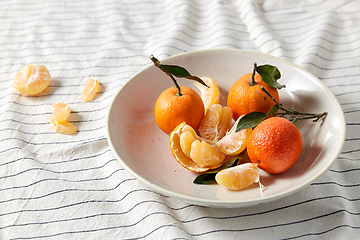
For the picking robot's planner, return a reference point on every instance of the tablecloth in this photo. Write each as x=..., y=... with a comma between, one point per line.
x=56, y=186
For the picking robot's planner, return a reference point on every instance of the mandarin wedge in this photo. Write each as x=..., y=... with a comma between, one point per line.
x=206, y=155
x=216, y=122
x=61, y=111
x=238, y=177
x=92, y=86
x=234, y=142
x=63, y=127
x=210, y=94
x=32, y=79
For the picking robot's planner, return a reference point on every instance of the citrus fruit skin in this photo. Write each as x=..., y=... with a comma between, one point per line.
x=275, y=145
x=171, y=110
x=32, y=79
x=244, y=98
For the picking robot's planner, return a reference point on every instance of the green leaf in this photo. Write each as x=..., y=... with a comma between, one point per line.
x=270, y=74
x=250, y=120
x=180, y=72
x=253, y=119
x=209, y=177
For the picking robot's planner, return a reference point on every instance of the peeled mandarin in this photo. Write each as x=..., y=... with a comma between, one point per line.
x=192, y=152
x=32, y=79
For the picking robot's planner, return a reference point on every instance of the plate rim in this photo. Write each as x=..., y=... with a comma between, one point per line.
x=228, y=203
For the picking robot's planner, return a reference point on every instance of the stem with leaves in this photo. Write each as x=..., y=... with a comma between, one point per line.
x=294, y=113
x=173, y=70
x=252, y=119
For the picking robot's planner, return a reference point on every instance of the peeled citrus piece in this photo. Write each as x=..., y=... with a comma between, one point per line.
x=186, y=139
x=206, y=155
x=92, y=86
x=211, y=94
x=233, y=142
x=238, y=177
x=32, y=79
x=181, y=145
x=61, y=111
x=63, y=127
x=216, y=122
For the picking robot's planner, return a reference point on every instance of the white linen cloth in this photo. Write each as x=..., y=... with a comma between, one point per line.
x=54, y=186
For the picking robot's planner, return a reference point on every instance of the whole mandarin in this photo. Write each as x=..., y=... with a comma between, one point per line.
x=171, y=109
x=245, y=97
x=275, y=145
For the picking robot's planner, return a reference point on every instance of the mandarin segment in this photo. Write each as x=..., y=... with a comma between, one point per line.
x=58, y=120
x=63, y=127
x=32, y=79
x=206, y=155
x=234, y=142
x=186, y=139
x=61, y=111
x=210, y=94
x=92, y=86
x=238, y=177
x=216, y=122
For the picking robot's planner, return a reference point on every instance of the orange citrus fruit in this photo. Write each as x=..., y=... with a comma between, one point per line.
x=216, y=122
x=92, y=86
x=244, y=97
x=61, y=111
x=171, y=110
x=210, y=94
x=275, y=145
x=32, y=79
x=192, y=152
x=238, y=177
x=234, y=142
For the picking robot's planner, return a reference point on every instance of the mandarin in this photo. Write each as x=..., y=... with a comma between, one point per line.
x=32, y=79
x=171, y=109
x=246, y=96
x=275, y=145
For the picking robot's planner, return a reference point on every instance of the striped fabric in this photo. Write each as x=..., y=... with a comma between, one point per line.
x=55, y=186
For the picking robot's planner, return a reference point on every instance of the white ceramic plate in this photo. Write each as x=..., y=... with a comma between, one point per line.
x=143, y=149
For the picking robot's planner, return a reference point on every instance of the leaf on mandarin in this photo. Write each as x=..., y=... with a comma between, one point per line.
x=270, y=74
x=253, y=119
